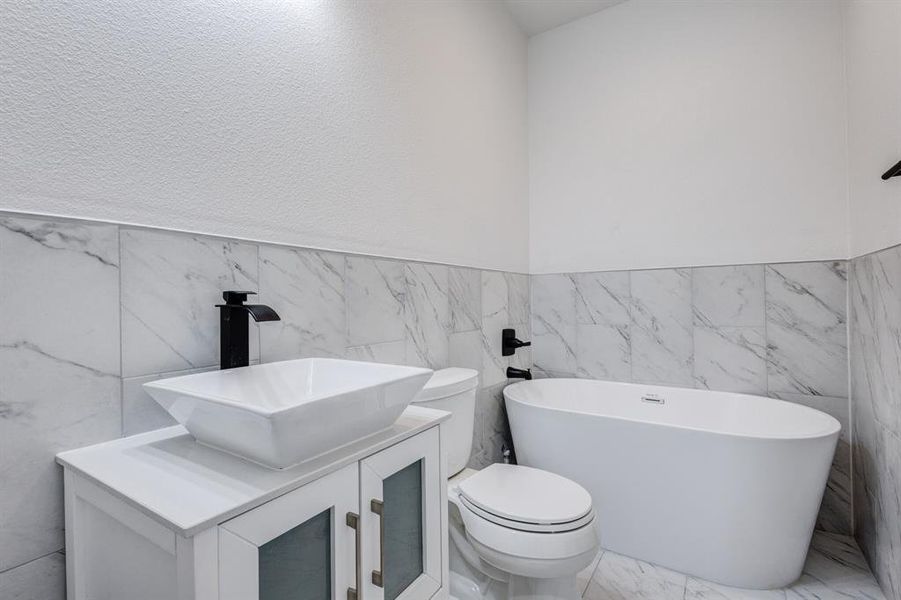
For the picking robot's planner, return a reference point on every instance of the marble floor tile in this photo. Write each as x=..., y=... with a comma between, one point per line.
x=583, y=579
x=621, y=578
x=465, y=289
x=698, y=589
x=731, y=296
x=41, y=579
x=835, y=570
x=306, y=289
x=376, y=293
x=171, y=283
x=809, y=587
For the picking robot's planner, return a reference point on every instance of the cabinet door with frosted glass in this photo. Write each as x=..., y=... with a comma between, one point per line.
x=300, y=546
x=400, y=505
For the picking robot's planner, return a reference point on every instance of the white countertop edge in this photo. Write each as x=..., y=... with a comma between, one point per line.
x=329, y=462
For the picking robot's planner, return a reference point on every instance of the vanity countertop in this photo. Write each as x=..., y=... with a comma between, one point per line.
x=189, y=487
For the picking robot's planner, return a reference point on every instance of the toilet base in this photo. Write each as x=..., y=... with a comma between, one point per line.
x=529, y=588
x=517, y=588
x=472, y=578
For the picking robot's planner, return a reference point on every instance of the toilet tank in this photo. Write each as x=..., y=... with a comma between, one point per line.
x=454, y=390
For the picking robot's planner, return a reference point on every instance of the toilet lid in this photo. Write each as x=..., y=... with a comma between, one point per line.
x=448, y=382
x=526, y=495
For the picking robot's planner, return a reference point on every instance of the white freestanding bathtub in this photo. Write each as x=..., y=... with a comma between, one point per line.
x=722, y=486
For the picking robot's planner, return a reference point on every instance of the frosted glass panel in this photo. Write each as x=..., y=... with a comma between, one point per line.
x=402, y=512
x=297, y=565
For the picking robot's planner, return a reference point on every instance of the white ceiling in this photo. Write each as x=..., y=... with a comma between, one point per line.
x=535, y=16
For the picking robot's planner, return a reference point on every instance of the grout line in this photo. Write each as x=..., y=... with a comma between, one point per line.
x=28, y=562
x=597, y=565
x=631, y=333
x=766, y=337
x=709, y=266
x=121, y=337
x=850, y=401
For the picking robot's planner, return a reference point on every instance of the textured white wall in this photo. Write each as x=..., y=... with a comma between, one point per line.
x=688, y=133
x=393, y=128
x=873, y=33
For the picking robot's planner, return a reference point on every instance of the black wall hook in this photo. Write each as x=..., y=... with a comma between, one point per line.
x=893, y=172
x=509, y=343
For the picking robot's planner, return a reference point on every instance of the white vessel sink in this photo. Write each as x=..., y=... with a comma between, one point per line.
x=279, y=414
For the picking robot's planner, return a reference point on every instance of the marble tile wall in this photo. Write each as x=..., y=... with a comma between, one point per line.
x=89, y=312
x=875, y=298
x=778, y=330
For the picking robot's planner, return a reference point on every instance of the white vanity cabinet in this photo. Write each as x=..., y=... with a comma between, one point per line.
x=158, y=516
x=296, y=546
x=401, y=520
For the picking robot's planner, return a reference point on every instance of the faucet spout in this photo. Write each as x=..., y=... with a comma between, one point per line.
x=514, y=373
x=234, y=343
x=261, y=313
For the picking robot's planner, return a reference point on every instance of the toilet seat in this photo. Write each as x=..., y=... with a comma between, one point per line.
x=527, y=499
x=527, y=521
x=526, y=526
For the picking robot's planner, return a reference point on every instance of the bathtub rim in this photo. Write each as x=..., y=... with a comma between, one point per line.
x=834, y=431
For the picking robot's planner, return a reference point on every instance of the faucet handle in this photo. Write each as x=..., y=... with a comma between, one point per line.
x=236, y=297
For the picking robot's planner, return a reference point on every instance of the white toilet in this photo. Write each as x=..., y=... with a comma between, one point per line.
x=515, y=531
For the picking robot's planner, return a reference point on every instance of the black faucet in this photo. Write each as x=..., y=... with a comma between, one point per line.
x=234, y=345
x=514, y=373
x=509, y=342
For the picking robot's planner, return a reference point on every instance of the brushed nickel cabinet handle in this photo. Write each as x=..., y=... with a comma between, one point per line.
x=378, y=507
x=353, y=520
